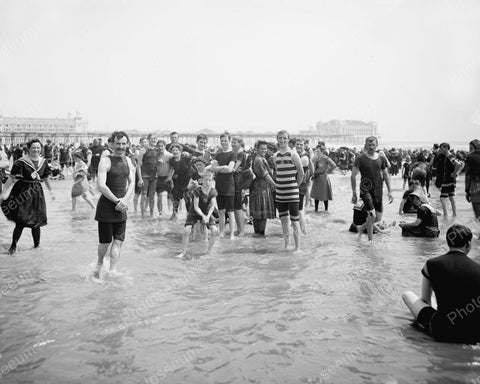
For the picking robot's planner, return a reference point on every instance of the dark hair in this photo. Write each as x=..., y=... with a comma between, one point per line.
x=446, y=145
x=458, y=236
x=29, y=144
x=225, y=134
x=161, y=142
x=202, y=136
x=119, y=135
x=259, y=143
x=150, y=135
x=370, y=138
x=176, y=146
x=173, y=133
x=282, y=132
x=239, y=140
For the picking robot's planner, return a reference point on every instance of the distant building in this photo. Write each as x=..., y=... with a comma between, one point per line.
x=19, y=129
x=348, y=131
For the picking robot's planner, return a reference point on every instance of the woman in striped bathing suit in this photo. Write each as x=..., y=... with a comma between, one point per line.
x=288, y=176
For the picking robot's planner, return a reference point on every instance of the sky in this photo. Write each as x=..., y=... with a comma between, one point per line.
x=260, y=65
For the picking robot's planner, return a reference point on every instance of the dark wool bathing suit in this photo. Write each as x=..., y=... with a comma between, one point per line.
x=110, y=221
x=455, y=279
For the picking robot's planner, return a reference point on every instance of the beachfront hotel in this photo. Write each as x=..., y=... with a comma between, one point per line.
x=20, y=129
x=346, y=131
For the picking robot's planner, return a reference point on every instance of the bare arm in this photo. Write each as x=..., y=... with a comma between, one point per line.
x=224, y=168
x=332, y=165
x=89, y=158
x=386, y=177
x=197, y=208
x=47, y=183
x=131, y=181
x=139, y=166
x=468, y=180
x=103, y=167
x=353, y=182
x=416, y=223
x=426, y=294
x=213, y=204
x=298, y=165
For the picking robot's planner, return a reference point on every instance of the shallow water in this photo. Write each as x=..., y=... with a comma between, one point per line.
x=250, y=312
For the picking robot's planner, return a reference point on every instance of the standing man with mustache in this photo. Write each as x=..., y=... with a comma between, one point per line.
x=116, y=182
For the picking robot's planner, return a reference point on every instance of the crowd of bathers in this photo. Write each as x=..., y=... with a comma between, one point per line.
x=157, y=174
x=268, y=181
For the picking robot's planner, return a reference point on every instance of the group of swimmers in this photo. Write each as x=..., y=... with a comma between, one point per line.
x=214, y=191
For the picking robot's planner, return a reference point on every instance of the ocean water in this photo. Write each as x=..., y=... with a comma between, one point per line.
x=250, y=312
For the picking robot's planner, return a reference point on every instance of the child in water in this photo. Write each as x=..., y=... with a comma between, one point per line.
x=81, y=186
x=204, y=203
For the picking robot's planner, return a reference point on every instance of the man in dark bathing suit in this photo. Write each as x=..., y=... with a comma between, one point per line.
x=371, y=166
x=455, y=280
x=116, y=182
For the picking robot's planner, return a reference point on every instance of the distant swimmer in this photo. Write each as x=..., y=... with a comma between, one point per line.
x=455, y=280
x=204, y=203
x=116, y=182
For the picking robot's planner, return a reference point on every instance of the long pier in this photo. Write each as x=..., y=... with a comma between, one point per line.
x=19, y=137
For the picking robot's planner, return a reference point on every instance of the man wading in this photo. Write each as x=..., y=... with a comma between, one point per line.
x=116, y=182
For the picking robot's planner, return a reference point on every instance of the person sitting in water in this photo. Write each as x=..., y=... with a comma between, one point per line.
x=204, y=203
x=406, y=205
x=360, y=215
x=455, y=280
x=426, y=224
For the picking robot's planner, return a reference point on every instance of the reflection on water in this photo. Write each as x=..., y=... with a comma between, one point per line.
x=250, y=312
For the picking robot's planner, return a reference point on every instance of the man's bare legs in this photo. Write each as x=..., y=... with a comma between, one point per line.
x=102, y=251
x=231, y=223
x=285, y=229
x=114, y=256
x=135, y=201
x=443, y=201
x=414, y=303
x=240, y=220
x=296, y=234
x=302, y=220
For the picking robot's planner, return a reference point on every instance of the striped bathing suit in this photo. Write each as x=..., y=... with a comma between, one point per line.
x=286, y=180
